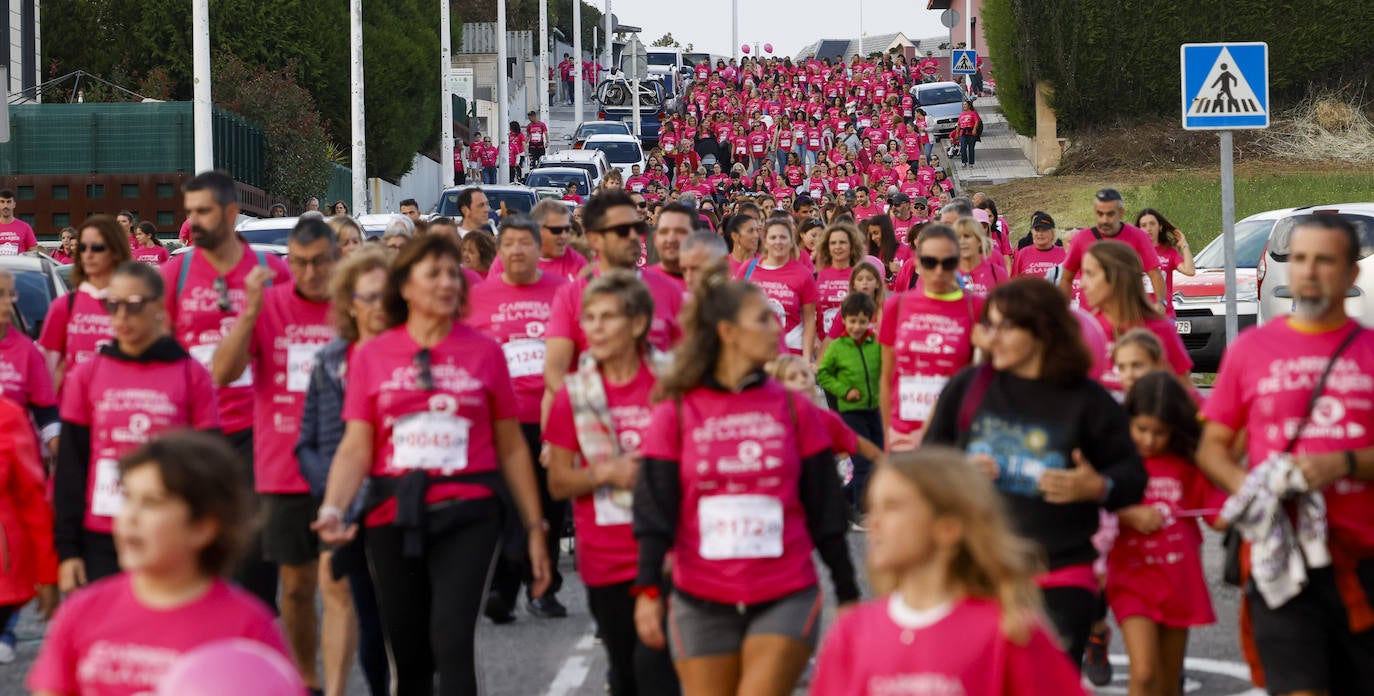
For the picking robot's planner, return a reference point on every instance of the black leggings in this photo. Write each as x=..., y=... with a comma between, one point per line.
x=509, y=575
x=254, y=573
x=636, y=669
x=1072, y=610
x=429, y=605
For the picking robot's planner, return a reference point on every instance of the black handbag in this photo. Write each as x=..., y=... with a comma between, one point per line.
x=1230, y=569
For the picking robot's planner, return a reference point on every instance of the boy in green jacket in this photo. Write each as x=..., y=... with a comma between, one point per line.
x=850, y=370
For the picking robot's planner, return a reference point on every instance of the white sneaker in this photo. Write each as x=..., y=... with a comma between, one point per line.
x=6, y=654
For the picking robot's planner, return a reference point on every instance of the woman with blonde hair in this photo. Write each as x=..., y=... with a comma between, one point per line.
x=979, y=273
x=957, y=605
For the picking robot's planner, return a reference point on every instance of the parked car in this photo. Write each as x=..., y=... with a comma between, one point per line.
x=267, y=230
x=1200, y=301
x=587, y=129
x=654, y=103
x=1275, y=296
x=942, y=102
x=38, y=283
x=593, y=162
x=278, y=250
x=519, y=199
x=622, y=151
x=559, y=177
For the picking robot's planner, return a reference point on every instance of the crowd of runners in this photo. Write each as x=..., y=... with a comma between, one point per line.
x=196, y=451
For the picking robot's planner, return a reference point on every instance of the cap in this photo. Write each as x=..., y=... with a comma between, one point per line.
x=1041, y=219
x=899, y=198
x=981, y=216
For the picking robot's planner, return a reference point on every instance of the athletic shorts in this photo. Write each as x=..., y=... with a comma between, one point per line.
x=286, y=535
x=1306, y=644
x=701, y=628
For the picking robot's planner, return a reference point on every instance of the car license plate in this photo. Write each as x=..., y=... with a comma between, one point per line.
x=1184, y=327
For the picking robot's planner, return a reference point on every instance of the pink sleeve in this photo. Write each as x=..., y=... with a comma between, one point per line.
x=266, y=631
x=40, y=382
x=809, y=295
x=171, y=272
x=834, y=661
x=76, y=408
x=887, y=333
x=562, y=317
x=1146, y=248
x=814, y=430
x=54, y=336
x=1224, y=403
x=663, y=440
x=358, y=397
x=55, y=668
x=561, y=430
x=29, y=238
x=1040, y=667
x=204, y=404
x=277, y=264
x=1074, y=259
x=503, y=404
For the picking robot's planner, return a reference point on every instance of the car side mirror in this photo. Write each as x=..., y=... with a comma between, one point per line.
x=568, y=137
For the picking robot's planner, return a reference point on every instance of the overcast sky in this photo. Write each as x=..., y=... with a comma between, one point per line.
x=788, y=24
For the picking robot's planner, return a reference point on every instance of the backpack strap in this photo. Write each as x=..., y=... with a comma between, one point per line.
x=973, y=398
x=185, y=271
x=262, y=261
x=749, y=270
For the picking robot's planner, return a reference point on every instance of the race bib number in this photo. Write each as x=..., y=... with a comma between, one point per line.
x=740, y=527
x=430, y=441
x=108, y=496
x=300, y=363
x=918, y=394
x=794, y=338
x=205, y=355
x=9, y=249
x=524, y=357
x=828, y=317
x=612, y=506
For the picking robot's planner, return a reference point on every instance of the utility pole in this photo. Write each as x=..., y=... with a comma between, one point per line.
x=502, y=98
x=577, y=61
x=358, y=138
x=202, y=107
x=445, y=95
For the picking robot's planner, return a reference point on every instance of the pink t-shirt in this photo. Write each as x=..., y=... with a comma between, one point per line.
x=1129, y=234
x=676, y=280
x=443, y=431
x=1034, y=262
x=78, y=335
x=198, y=323
x=155, y=255
x=538, y=134
x=289, y=331
x=741, y=530
x=1159, y=576
x=517, y=317
x=105, y=642
x=1174, y=352
x=986, y=276
x=565, y=321
x=882, y=648
x=1264, y=385
x=24, y=377
x=16, y=237
x=930, y=341
x=788, y=289
x=832, y=285
x=566, y=266
x=606, y=549
x=126, y=404
x=1169, y=261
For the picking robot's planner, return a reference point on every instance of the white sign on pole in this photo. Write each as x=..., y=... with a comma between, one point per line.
x=460, y=83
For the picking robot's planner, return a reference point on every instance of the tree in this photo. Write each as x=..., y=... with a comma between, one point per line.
x=667, y=41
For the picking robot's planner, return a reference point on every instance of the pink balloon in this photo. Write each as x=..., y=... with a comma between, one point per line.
x=232, y=667
x=768, y=48
x=745, y=48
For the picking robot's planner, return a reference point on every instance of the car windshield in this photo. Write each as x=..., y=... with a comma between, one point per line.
x=35, y=294
x=518, y=201
x=267, y=235
x=558, y=180
x=940, y=95
x=587, y=130
x=1250, y=238
x=617, y=152
x=1283, y=232
x=662, y=59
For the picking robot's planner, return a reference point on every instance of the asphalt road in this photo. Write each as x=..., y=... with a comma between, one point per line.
x=560, y=657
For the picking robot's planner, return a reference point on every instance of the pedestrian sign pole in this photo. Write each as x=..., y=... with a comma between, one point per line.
x=1225, y=88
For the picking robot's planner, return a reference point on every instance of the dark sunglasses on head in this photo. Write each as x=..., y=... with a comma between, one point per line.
x=424, y=373
x=222, y=289
x=948, y=263
x=560, y=229
x=134, y=305
x=637, y=227
x=97, y=248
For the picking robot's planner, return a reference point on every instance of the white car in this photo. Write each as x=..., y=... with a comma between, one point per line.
x=1275, y=295
x=593, y=162
x=622, y=151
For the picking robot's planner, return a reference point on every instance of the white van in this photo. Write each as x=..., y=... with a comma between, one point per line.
x=594, y=162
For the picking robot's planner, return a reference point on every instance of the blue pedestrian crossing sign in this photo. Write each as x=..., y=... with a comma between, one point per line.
x=963, y=62
x=1225, y=85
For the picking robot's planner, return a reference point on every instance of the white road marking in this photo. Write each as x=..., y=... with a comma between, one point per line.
x=573, y=673
x=1226, y=668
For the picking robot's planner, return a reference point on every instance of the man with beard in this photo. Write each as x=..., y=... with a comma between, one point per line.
x=1109, y=209
x=1299, y=387
x=674, y=224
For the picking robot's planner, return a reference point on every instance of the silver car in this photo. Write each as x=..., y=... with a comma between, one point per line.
x=1275, y=295
x=942, y=102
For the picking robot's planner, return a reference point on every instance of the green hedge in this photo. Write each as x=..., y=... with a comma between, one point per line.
x=1110, y=61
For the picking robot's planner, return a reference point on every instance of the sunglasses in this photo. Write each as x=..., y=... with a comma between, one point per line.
x=97, y=248
x=1000, y=327
x=221, y=287
x=561, y=229
x=424, y=372
x=625, y=230
x=948, y=263
x=368, y=298
x=134, y=305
